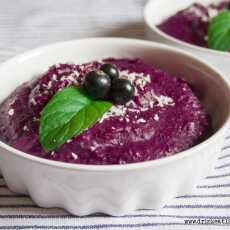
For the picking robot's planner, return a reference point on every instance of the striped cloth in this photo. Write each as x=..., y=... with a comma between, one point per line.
x=25, y=24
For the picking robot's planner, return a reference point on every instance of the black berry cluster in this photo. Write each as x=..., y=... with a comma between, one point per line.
x=106, y=83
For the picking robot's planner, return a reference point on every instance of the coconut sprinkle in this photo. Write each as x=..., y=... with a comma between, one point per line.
x=11, y=112
x=194, y=9
x=115, y=111
x=141, y=120
x=74, y=155
x=33, y=102
x=156, y=117
x=150, y=99
x=212, y=12
x=164, y=101
x=25, y=128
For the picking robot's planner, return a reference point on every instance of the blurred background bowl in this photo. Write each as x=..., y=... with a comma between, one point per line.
x=156, y=11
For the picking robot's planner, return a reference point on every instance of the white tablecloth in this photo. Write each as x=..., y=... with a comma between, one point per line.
x=25, y=24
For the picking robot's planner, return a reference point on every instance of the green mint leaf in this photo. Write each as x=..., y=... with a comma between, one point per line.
x=219, y=32
x=67, y=114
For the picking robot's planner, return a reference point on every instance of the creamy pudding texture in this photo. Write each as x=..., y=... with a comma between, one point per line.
x=191, y=24
x=163, y=118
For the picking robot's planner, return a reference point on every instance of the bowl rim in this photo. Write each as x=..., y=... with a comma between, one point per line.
x=170, y=38
x=131, y=166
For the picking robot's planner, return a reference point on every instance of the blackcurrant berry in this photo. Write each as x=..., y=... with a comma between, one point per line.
x=121, y=91
x=97, y=84
x=110, y=70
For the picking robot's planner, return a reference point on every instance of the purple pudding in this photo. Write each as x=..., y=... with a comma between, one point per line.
x=191, y=24
x=163, y=118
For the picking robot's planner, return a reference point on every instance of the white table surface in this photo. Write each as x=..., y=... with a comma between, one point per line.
x=26, y=24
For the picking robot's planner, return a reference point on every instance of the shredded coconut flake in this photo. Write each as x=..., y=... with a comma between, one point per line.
x=49, y=86
x=156, y=117
x=11, y=102
x=74, y=155
x=115, y=111
x=141, y=120
x=150, y=99
x=25, y=128
x=33, y=102
x=199, y=13
x=164, y=100
x=212, y=12
x=54, y=77
x=131, y=104
x=94, y=146
x=127, y=119
x=11, y=112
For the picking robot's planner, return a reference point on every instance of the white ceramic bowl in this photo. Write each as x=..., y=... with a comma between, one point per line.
x=114, y=189
x=156, y=11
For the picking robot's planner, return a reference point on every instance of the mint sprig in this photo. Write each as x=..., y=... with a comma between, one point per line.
x=67, y=114
x=219, y=32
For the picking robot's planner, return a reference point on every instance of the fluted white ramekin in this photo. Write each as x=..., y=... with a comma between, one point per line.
x=156, y=11
x=114, y=189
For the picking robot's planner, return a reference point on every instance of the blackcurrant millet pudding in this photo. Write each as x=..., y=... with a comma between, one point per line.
x=191, y=24
x=162, y=118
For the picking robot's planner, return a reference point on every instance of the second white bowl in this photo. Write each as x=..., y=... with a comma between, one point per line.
x=156, y=11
